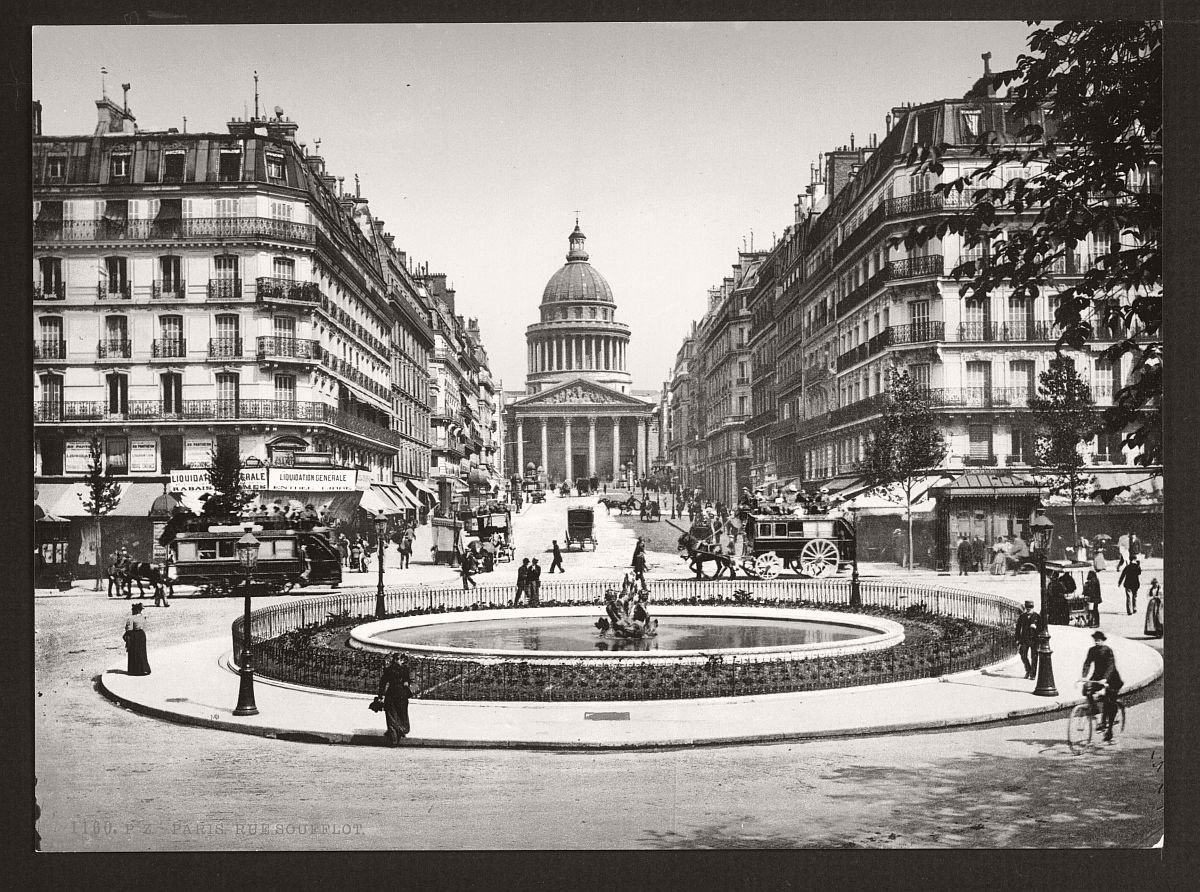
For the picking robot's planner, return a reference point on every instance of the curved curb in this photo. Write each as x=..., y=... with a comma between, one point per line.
x=375, y=738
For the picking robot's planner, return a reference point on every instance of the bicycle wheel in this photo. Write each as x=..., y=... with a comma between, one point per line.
x=1080, y=727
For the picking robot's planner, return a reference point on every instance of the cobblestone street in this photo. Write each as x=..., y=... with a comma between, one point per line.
x=113, y=780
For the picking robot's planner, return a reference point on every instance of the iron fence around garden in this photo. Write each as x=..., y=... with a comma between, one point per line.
x=281, y=648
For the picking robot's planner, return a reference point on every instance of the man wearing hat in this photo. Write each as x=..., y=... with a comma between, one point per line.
x=1029, y=626
x=1103, y=664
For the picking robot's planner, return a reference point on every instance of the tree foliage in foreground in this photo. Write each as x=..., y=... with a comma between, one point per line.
x=1092, y=166
x=230, y=494
x=904, y=444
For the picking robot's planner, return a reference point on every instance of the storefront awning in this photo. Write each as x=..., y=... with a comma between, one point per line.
x=422, y=486
x=66, y=499
x=991, y=485
x=387, y=497
x=891, y=497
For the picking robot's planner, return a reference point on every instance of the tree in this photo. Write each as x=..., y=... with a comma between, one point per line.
x=1066, y=417
x=904, y=444
x=1092, y=166
x=103, y=495
x=230, y=494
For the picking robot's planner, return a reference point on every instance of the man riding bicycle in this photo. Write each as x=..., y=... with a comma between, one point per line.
x=1105, y=679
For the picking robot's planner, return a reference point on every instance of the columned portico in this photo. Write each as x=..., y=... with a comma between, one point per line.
x=567, y=453
x=545, y=456
x=616, y=447
x=591, y=447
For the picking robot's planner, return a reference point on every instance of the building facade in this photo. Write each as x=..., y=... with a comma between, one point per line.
x=579, y=416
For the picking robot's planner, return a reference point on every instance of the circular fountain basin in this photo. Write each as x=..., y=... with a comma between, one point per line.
x=684, y=632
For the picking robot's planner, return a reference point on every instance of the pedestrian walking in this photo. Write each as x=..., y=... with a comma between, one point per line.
x=1131, y=580
x=965, y=554
x=394, y=693
x=344, y=549
x=522, y=580
x=356, y=556
x=114, y=574
x=1098, y=561
x=1091, y=591
x=467, y=567
x=406, y=548
x=159, y=582
x=1123, y=550
x=135, y=642
x=535, y=583
x=124, y=582
x=556, y=561
x=999, y=557
x=1029, y=626
x=638, y=563
x=1154, y=611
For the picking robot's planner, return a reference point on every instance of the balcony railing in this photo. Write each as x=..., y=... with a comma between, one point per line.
x=280, y=347
x=113, y=348
x=224, y=289
x=224, y=348
x=168, y=289
x=169, y=348
x=188, y=227
x=49, y=349
x=215, y=410
x=1031, y=330
x=109, y=291
x=273, y=288
x=915, y=267
x=52, y=292
x=917, y=332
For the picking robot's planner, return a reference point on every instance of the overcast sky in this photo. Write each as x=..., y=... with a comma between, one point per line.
x=478, y=143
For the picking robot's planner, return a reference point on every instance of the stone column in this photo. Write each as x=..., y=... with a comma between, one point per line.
x=567, y=447
x=616, y=447
x=544, y=459
x=520, y=447
x=592, y=446
x=641, y=447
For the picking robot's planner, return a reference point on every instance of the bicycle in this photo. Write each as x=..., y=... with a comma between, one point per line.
x=1081, y=726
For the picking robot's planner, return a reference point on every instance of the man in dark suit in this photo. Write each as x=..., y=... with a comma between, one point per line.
x=535, y=583
x=557, y=557
x=1029, y=626
x=522, y=580
x=1103, y=663
x=394, y=691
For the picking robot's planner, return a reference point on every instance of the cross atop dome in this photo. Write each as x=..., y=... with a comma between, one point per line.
x=577, y=238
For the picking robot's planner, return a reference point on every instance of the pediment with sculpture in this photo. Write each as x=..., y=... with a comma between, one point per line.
x=581, y=393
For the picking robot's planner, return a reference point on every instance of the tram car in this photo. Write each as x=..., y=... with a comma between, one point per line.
x=205, y=555
x=812, y=545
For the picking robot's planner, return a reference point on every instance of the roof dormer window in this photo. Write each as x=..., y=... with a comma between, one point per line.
x=56, y=167
x=230, y=170
x=275, y=169
x=119, y=167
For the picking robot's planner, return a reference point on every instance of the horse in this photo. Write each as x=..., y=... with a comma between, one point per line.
x=698, y=557
x=139, y=571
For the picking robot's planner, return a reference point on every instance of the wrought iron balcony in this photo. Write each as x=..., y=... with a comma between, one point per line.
x=216, y=410
x=224, y=289
x=51, y=292
x=273, y=288
x=169, y=348
x=224, y=348
x=106, y=290
x=917, y=332
x=1031, y=330
x=283, y=348
x=915, y=267
x=113, y=348
x=48, y=348
x=101, y=230
x=168, y=289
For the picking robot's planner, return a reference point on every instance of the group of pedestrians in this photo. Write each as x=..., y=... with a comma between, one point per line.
x=529, y=582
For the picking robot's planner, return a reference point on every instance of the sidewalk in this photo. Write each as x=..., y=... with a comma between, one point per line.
x=196, y=684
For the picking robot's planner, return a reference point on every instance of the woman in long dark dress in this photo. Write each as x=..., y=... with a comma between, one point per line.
x=135, y=642
x=1154, y=611
x=394, y=691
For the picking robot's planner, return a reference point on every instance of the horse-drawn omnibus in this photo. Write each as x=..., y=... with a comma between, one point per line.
x=290, y=553
x=812, y=545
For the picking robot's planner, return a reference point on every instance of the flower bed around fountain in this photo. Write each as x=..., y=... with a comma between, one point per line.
x=312, y=651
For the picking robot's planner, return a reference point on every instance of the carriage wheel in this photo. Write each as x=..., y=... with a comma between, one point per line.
x=818, y=557
x=768, y=566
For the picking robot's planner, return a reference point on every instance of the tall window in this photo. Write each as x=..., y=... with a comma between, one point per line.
x=116, y=455
x=979, y=381
x=172, y=171
x=285, y=389
x=1020, y=319
x=52, y=396
x=230, y=169
x=171, y=448
x=976, y=315
x=51, y=344
x=170, y=337
x=116, y=337
x=282, y=210
x=284, y=268
x=226, y=282
x=980, y=440
x=50, y=269
x=227, y=395
x=228, y=342
x=1022, y=445
x=1023, y=381
x=225, y=207
x=117, y=387
x=1107, y=379
x=919, y=372
x=116, y=277
x=170, y=272
x=171, y=384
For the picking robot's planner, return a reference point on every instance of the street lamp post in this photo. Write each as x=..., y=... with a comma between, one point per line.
x=855, y=591
x=247, y=552
x=381, y=525
x=1041, y=528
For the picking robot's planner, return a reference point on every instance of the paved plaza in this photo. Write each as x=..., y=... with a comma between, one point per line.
x=111, y=778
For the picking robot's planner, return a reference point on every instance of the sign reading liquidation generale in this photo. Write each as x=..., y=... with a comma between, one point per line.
x=196, y=481
x=312, y=479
